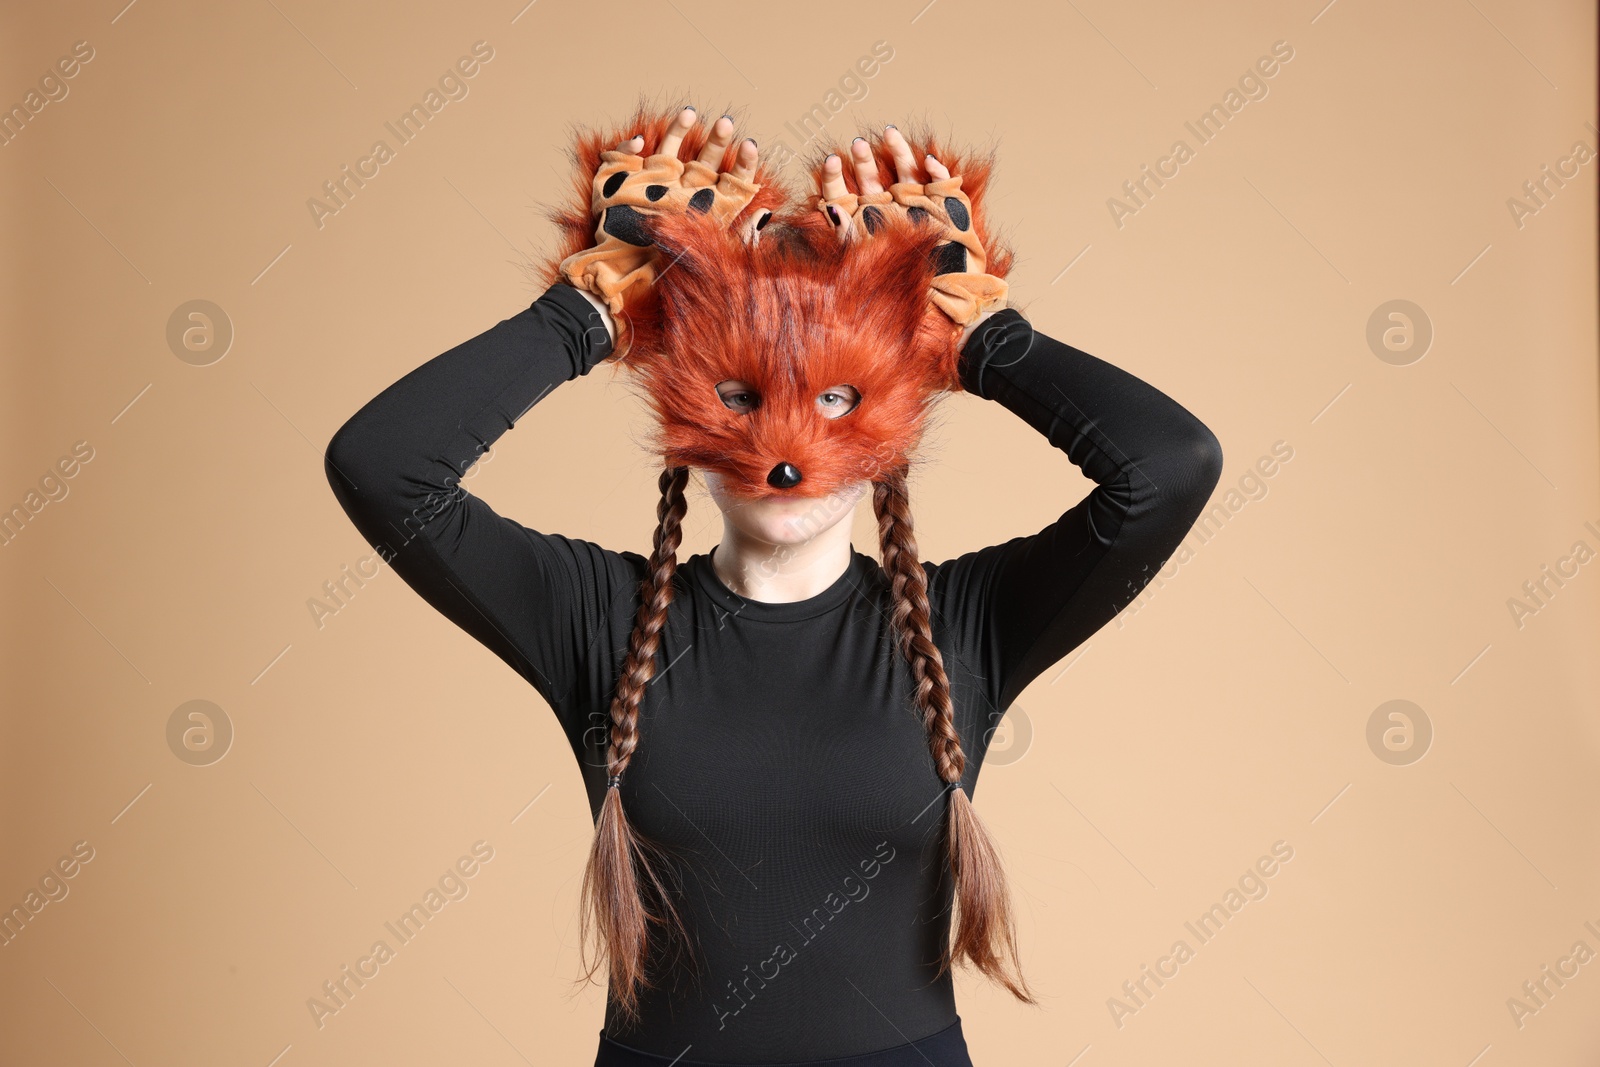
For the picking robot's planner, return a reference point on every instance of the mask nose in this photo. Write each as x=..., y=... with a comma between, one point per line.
x=784, y=476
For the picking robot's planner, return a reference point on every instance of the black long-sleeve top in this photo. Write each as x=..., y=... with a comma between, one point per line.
x=782, y=762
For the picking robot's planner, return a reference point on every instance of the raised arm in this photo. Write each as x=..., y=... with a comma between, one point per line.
x=556, y=608
x=1016, y=608
x=535, y=599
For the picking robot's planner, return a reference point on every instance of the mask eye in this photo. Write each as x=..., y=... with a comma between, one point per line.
x=738, y=396
x=838, y=400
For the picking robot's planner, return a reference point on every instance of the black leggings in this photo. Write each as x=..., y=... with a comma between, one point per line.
x=947, y=1048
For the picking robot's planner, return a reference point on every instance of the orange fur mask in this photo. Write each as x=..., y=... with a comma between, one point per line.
x=792, y=318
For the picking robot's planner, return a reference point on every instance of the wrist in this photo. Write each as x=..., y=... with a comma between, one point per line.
x=599, y=306
x=972, y=327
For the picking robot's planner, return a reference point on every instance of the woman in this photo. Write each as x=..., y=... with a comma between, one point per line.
x=780, y=737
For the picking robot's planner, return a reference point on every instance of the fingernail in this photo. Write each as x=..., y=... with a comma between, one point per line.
x=728, y=117
x=833, y=213
x=752, y=141
x=891, y=126
x=858, y=139
x=689, y=107
x=764, y=220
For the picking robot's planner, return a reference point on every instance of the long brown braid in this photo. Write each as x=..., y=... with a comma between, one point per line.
x=614, y=904
x=982, y=931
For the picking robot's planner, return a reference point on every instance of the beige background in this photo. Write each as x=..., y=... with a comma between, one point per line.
x=1224, y=712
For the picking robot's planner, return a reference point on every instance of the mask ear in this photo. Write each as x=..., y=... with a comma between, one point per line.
x=701, y=263
x=885, y=283
x=696, y=246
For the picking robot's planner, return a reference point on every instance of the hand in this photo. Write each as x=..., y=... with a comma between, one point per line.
x=629, y=190
x=962, y=288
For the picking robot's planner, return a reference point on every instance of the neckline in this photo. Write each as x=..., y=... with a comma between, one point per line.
x=827, y=600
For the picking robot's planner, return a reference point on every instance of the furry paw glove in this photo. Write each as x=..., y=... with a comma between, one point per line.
x=962, y=288
x=630, y=189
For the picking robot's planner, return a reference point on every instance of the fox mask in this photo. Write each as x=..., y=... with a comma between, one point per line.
x=791, y=317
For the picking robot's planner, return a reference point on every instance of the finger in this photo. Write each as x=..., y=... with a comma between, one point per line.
x=866, y=166
x=833, y=185
x=752, y=227
x=674, y=135
x=905, y=164
x=744, y=164
x=717, y=144
x=633, y=144
x=936, y=170
x=842, y=224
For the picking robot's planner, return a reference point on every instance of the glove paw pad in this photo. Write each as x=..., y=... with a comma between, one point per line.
x=624, y=222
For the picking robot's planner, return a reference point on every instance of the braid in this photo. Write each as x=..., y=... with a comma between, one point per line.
x=981, y=928
x=909, y=586
x=613, y=898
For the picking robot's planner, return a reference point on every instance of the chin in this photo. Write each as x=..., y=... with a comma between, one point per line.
x=791, y=522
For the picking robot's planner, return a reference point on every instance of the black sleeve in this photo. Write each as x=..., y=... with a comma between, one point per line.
x=539, y=601
x=1012, y=610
